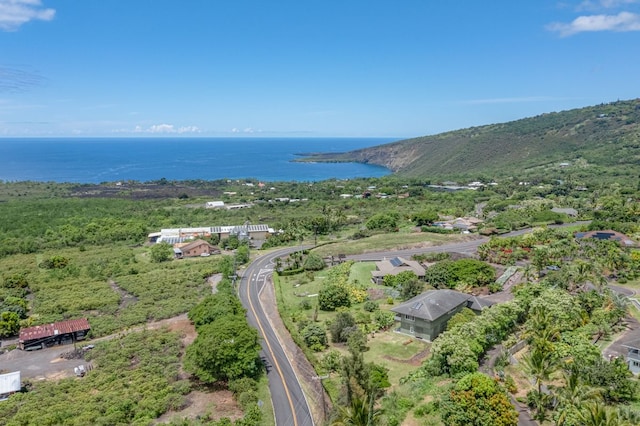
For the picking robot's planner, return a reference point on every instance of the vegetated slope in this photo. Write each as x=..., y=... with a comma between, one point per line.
x=606, y=135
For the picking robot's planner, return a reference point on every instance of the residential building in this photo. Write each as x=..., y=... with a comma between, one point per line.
x=608, y=235
x=426, y=315
x=196, y=248
x=394, y=266
x=633, y=355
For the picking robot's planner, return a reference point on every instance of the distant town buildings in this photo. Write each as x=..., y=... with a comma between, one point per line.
x=181, y=235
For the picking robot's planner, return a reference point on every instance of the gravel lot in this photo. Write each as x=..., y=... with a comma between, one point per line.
x=41, y=364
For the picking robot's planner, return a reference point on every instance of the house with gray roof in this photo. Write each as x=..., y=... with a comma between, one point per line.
x=394, y=266
x=426, y=315
x=633, y=355
x=607, y=235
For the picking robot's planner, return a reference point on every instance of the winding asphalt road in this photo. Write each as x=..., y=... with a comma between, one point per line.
x=289, y=403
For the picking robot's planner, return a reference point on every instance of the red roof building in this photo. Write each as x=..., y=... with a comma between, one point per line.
x=55, y=333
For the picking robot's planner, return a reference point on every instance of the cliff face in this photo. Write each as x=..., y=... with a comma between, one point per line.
x=395, y=156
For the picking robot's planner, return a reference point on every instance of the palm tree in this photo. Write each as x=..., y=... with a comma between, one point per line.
x=540, y=363
x=574, y=394
x=597, y=414
x=540, y=332
x=357, y=414
x=527, y=273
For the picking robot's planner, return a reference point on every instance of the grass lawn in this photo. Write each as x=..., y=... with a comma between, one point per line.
x=395, y=351
x=399, y=353
x=361, y=272
x=391, y=241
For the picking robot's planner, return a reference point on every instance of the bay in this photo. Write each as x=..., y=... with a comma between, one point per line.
x=96, y=160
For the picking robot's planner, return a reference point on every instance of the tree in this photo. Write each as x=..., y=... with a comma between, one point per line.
x=9, y=324
x=242, y=254
x=215, y=306
x=384, y=222
x=425, y=217
x=315, y=336
x=613, y=377
x=224, y=349
x=540, y=363
x=313, y=262
x=343, y=321
x=596, y=414
x=383, y=319
x=357, y=413
x=478, y=400
x=411, y=288
x=161, y=252
x=333, y=296
x=573, y=395
x=464, y=316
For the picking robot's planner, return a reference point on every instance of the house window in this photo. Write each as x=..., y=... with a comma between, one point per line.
x=409, y=317
x=412, y=330
x=635, y=363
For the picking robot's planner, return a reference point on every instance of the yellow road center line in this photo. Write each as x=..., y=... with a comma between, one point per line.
x=275, y=361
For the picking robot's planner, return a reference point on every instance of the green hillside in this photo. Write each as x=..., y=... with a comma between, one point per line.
x=603, y=137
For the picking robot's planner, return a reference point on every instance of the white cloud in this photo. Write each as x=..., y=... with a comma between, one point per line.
x=622, y=22
x=14, y=13
x=161, y=128
x=167, y=128
x=245, y=130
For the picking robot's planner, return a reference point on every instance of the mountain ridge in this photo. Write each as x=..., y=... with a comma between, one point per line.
x=605, y=135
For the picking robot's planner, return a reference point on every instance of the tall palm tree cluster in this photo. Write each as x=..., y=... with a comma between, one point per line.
x=581, y=399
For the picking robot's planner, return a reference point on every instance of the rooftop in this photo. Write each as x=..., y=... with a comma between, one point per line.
x=54, y=329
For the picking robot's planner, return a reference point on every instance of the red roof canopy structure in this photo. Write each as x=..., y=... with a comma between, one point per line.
x=54, y=329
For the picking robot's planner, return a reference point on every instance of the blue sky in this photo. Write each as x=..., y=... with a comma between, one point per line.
x=392, y=68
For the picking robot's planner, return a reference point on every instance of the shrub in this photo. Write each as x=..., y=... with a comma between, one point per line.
x=305, y=305
x=370, y=306
x=247, y=399
x=363, y=233
x=383, y=319
x=384, y=222
x=331, y=361
x=315, y=336
x=243, y=384
x=55, y=262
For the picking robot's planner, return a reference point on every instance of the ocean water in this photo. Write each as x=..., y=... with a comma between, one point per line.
x=99, y=160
